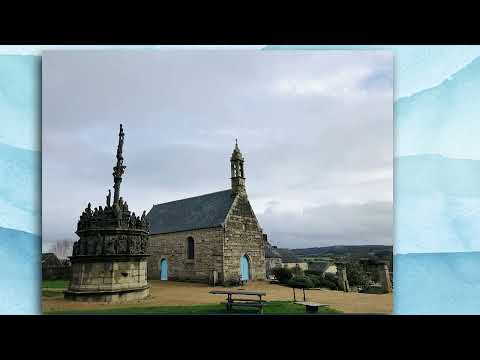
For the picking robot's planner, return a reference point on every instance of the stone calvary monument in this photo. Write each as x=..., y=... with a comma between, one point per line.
x=109, y=261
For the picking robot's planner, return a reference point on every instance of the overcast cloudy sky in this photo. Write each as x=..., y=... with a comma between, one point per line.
x=315, y=128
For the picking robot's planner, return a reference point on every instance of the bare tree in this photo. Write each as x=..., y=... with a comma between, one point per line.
x=62, y=248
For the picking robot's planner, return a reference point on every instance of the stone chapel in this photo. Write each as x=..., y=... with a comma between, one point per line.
x=212, y=238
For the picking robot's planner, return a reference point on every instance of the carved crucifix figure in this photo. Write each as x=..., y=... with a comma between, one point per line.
x=88, y=210
x=109, y=198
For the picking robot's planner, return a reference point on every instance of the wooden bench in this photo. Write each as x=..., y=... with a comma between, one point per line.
x=310, y=307
x=257, y=305
x=250, y=300
x=245, y=302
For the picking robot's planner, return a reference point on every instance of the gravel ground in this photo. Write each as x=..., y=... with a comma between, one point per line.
x=181, y=293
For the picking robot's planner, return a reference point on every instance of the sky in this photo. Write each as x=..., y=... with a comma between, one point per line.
x=315, y=129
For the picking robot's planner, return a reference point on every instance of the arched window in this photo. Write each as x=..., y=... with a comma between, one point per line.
x=190, y=248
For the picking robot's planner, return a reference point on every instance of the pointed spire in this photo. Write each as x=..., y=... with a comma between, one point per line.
x=236, y=155
x=119, y=169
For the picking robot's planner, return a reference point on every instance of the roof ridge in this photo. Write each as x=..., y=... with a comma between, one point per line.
x=192, y=197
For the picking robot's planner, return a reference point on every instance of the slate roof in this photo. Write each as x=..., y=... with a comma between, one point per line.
x=197, y=212
x=50, y=258
x=320, y=266
x=288, y=256
x=271, y=252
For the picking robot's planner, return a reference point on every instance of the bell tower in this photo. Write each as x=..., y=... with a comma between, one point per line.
x=238, y=171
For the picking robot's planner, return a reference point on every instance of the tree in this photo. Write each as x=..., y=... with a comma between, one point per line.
x=62, y=248
x=356, y=275
x=301, y=282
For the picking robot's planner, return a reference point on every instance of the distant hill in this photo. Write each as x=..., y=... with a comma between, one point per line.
x=356, y=251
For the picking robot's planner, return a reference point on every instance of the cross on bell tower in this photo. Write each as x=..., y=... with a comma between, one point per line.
x=237, y=169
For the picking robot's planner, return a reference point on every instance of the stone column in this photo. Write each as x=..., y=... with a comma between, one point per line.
x=378, y=271
x=342, y=276
x=384, y=276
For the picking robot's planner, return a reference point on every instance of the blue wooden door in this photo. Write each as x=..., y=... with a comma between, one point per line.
x=244, y=268
x=164, y=269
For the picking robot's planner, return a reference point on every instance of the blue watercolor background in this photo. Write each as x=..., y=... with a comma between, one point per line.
x=437, y=178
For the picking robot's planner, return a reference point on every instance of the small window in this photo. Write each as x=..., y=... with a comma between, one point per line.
x=190, y=248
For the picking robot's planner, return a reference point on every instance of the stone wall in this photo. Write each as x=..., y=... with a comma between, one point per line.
x=118, y=273
x=173, y=247
x=216, y=249
x=243, y=236
x=56, y=272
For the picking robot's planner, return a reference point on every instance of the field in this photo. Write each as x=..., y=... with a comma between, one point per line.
x=169, y=297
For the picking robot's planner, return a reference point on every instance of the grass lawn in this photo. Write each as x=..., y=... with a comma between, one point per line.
x=273, y=308
x=52, y=293
x=53, y=288
x=54, y=284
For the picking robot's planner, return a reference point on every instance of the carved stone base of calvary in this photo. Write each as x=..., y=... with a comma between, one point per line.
x=109, y=262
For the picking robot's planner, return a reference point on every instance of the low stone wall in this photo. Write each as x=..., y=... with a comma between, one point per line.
x=109, y=296
x=56, y=272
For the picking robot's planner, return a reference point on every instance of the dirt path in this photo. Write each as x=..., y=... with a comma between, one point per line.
x=179, y=293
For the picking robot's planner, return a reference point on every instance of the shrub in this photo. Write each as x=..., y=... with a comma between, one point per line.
x=301, y=282
x=330, y=277
x=296, y=270
x=329, y=284
x=316, y=280
x=313, y=272
x=321, y=282
x=282, y=274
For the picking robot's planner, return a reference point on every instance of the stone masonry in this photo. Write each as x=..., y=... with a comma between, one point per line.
x=109, y=260
x=223, y=226
x=243, y=236
x=173, y=247
x=216, y=249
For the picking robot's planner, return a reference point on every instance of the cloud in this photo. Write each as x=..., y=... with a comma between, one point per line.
x=339, y=224
x=313, y=147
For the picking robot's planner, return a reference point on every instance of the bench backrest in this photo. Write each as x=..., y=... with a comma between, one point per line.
x=237, y=292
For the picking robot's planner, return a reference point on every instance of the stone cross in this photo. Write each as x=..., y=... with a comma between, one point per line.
x=119, y=169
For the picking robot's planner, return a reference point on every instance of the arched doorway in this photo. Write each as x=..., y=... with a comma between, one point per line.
x=163, y=269
x=244, y=268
